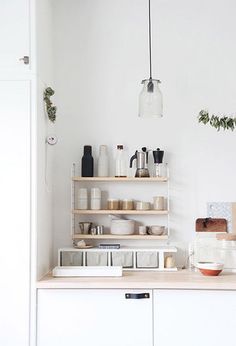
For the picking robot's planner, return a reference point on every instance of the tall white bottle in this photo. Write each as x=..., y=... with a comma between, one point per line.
x=120, y=162
x=103, y=162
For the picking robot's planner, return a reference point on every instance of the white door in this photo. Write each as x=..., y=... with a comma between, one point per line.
x=93, y=318
x=14, y=33
x=15, y=212
x=196, y=318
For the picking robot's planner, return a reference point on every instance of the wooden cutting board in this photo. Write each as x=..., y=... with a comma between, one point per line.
x=211, y=225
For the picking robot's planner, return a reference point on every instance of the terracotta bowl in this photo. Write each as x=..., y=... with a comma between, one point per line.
x=210, y=268
x=210, y=272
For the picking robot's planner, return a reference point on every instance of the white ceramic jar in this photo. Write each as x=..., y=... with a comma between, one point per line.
x=82, y=199
x=122, y=227
x=95, y=202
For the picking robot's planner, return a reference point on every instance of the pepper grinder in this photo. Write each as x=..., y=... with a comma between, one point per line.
x=159, y=166
x=87, y=162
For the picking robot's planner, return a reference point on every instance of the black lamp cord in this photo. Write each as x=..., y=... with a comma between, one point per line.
x=150, y=85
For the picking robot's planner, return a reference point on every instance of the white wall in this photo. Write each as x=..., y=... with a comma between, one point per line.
x=44, y=128
x=15, y=212
x=100, y=52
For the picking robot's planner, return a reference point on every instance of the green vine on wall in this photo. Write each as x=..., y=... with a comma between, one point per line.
x=225, y=123
x=50, y=108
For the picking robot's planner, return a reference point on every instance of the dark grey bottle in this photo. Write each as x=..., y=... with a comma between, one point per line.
x=87, y=162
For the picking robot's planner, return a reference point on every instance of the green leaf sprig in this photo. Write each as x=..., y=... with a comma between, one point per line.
x=50, y=108
x=225, y=123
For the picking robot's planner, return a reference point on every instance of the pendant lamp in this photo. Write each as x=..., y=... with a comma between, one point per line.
x=150, y=98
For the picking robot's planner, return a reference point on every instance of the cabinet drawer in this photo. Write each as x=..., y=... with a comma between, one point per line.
x=94, y=317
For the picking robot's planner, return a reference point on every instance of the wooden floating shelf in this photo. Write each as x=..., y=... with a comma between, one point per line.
x=127, y=237
x=113, y=179
x=119, y=212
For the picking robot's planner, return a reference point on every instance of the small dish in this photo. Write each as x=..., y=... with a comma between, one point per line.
x=210, y=268
x=156, y=230
x=83, y=246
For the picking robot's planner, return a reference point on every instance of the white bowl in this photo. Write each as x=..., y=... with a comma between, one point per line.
x=210, y=265
x=122, y=227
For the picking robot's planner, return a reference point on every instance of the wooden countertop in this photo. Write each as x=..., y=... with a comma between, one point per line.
x=181, y=279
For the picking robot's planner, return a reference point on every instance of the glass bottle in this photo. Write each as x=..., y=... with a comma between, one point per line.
x=120, y=162
x=150, y=100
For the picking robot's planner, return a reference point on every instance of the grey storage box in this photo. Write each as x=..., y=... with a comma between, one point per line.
x=96, y=258
x=147, y=260
x=71, y=258
x=124, y=259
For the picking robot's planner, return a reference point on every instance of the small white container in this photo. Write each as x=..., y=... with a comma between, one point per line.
x=122, y=227
x=158, y=203
x=95, y=192
x=95, y=202
x=82, y=199
x=141, y=205
x=82, y=193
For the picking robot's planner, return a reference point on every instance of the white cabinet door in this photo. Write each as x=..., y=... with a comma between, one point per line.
x=93, y=318
x=15, y=212
x=14, y=33
x=196, y=318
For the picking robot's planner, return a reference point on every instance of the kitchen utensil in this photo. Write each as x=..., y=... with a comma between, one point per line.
x=210, y=268
x=141, y=169
x=122, y=227
x=145, y=150
x=211, y=225
x=99, y=230
x=159, y=166
x=93, y=230
x=158, y=203
x=85, y=227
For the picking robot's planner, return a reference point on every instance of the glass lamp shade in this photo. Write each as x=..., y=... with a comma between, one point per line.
x=150, y=99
